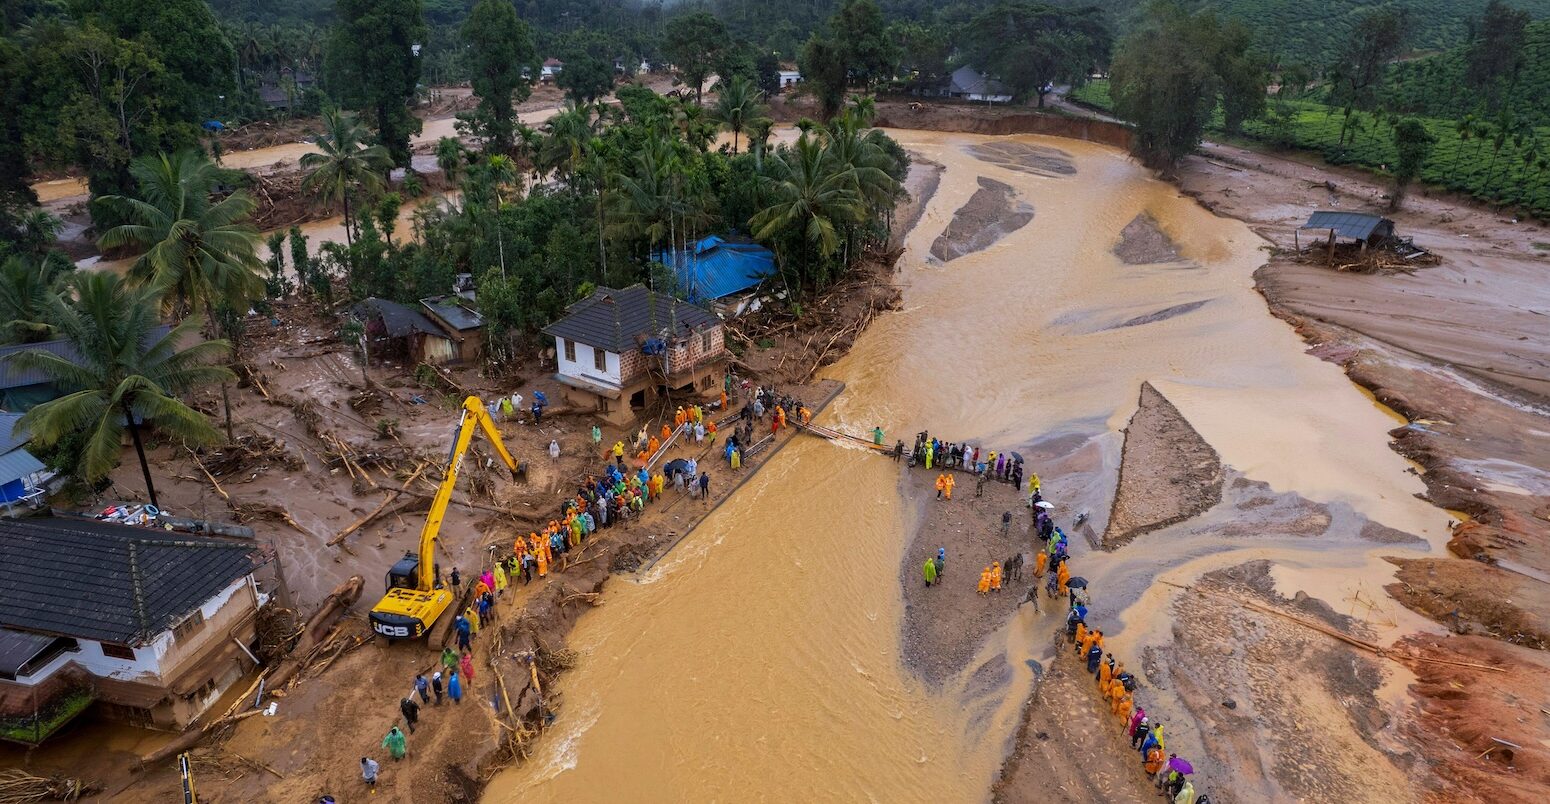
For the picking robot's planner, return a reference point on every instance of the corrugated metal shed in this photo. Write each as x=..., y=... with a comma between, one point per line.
x=9, y=438
x=456, y=315
x=17, y=464
x=12, y=376
x=112, y=583
x=397, y=320
x=612, y=319
x=1355, y=225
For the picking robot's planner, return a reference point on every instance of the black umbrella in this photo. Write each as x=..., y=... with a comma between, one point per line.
x=1077, y=583
x=675, y=466
x=1017, y=456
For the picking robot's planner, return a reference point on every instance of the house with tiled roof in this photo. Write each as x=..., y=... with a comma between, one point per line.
x=148, y=625
x=619, y=350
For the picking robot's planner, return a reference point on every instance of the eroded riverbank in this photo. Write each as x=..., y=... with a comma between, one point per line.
x=764, y=653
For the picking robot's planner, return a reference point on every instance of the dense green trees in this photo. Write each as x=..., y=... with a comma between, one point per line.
x=372, y=65
x=1357, y=75
x=822, y=63
x=1031, y=46
x=693, y=43
x=861, y=32
x=1414, y=144
x=501, y=62
x=344, y=167
x=1168, y=77
x=195, y=249
x=739, y=105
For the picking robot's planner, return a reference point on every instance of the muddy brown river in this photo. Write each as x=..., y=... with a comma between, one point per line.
x=762, y=658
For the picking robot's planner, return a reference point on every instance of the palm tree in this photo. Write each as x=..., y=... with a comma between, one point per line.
x=813, y=196
x=196, y=248
x=26, y=286
x=737, y=106
x=345, y=165
x=125, y=376
x=569, y=132
x=449, y=157
x=758, y=139
x=643, y=198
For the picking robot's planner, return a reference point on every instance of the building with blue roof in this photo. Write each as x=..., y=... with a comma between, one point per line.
x=719, y=266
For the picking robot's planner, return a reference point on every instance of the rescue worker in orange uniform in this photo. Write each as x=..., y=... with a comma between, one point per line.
x=1040, y=561
x=949, y=479
x=984, y=586
x=995, y=576
x=1154, y=761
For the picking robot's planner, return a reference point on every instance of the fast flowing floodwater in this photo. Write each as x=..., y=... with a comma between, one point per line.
x=761, y=659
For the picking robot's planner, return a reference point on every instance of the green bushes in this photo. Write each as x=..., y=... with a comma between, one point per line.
x=1508, y=170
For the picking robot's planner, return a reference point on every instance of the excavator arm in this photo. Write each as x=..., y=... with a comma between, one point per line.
x=406, y=612
x=474, y=414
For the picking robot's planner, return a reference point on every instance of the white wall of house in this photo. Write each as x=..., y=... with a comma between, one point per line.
x=789, y=78
x=585, y=365
x=154, y=661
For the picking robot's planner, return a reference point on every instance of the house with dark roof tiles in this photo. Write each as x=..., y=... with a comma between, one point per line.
x=150, y=625
x=619, y=350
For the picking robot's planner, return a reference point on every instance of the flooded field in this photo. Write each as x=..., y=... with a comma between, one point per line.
x=764, y=653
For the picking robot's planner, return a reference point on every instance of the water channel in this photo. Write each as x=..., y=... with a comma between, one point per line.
x=761, y=658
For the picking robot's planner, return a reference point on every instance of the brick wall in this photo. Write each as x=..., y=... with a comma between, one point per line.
x=633, y=364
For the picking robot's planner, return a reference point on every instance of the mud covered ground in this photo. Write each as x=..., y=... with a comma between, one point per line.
x=307, y=402
x=1459, y=351
x=989, y=215
x=1248, y=675
x=1167, y=473
x=1070, y=747
x=944, y=625
x=1143, y=242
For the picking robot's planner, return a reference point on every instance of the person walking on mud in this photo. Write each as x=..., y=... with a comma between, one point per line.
x=411, y=712
x=395, y=742
x=941, y=562
x=422, y=687
x=436, y=686
x=930, y=571
x=1032, y=597
x=369, y=773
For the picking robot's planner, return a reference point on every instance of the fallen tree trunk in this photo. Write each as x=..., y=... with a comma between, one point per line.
x=379, y=511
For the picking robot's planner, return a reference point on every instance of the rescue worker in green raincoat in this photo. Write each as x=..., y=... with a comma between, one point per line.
x=395, y=743
x=930, y=571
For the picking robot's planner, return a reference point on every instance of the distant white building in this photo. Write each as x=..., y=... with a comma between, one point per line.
x=551, y=68
x=789, y=78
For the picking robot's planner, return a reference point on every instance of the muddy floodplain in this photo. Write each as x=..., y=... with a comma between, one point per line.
x=784, y=646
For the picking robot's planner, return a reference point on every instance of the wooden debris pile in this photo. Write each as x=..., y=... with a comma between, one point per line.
x=1374, y=260
x=250, y=455
x=20, y=787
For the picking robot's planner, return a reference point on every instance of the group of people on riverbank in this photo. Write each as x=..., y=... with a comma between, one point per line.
x=1117, y=686
x=1051, y=569
x=933, y=453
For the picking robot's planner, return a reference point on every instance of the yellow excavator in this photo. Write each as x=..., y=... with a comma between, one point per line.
x=415, y=596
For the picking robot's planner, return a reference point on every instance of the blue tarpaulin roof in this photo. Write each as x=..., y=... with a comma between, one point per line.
x=719, y=266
